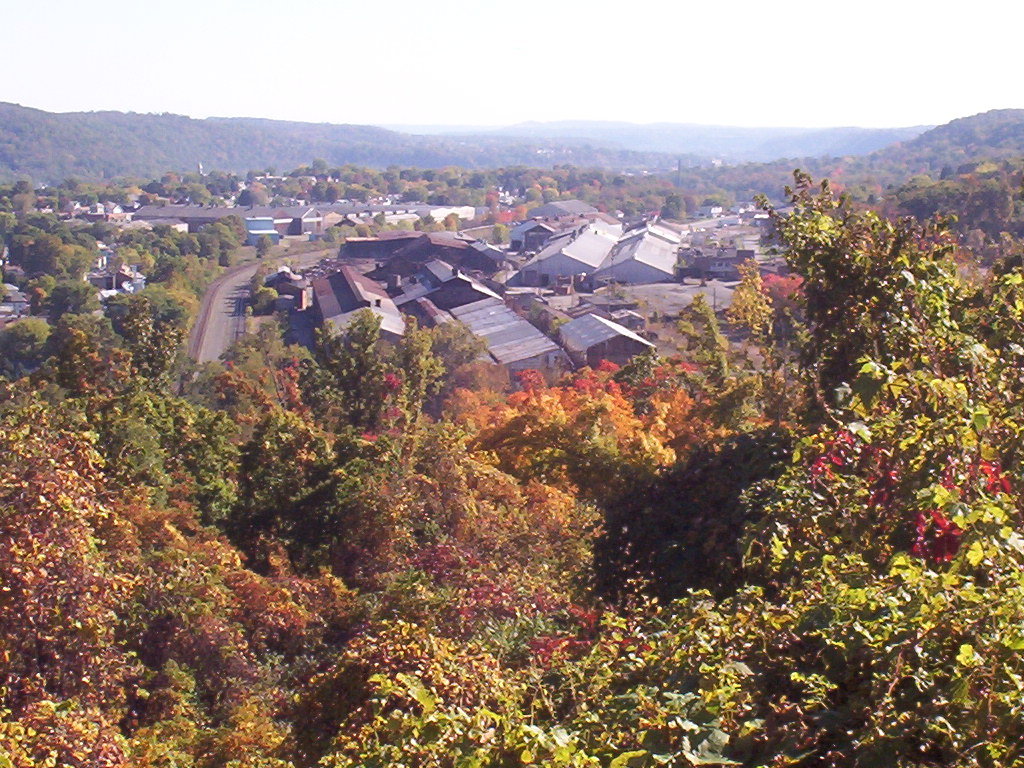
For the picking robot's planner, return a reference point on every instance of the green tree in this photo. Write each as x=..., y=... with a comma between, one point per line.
x=357, y=377
x=499, y=234
x=23, y=346
x=73, y=297
x=263, y=246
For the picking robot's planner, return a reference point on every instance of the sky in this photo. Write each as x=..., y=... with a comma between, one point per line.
x=868, y=63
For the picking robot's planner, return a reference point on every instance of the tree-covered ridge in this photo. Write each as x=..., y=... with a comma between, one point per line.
x=803, y=548
x=48, y=147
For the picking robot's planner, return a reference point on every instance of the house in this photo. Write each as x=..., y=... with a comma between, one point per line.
x=13, y=302
x=105, y=212
x=591, y=338
x=562, y=208
x=125, y=279
x=709, y=211
x=338, y=296
x=511, y=340
x=645, y=255
x=579, y=252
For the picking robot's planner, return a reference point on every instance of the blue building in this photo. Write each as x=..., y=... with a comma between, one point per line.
x=257, y=227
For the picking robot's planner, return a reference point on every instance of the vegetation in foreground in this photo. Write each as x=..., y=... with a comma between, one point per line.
x=803, y=552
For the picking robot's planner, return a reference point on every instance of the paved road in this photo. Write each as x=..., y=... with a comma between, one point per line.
x=221, y=317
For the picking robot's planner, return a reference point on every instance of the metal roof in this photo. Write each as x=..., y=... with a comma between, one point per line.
x=581, y=334
x=645, y=247
x=562, y=208
x=158, y=212
x=509, y=337
x=587, y=247
x=341, y=294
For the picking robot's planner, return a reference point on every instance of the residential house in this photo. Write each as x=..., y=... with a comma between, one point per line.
x=124, y=279
x=13, y=302
x=105, y=212
x=591, y=338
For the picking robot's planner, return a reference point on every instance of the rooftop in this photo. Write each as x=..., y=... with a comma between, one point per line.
x=584, y=332
x=510, y=338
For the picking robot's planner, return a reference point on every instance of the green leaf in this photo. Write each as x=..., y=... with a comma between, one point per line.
x=975, y=553
x=968, y=657
x=623, y=760
x=419, y=692
x=980, y=418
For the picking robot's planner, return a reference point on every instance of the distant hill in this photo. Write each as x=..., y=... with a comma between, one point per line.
x=730, y=143
x=49, y=146
x=992, y=135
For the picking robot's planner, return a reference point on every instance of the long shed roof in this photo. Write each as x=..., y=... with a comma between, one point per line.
x=509, y=337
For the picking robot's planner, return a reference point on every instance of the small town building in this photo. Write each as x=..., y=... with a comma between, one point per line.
x=289, y=284
x=591, y=338
x=445, y=285
x=645, y=255
x=572, y=254
x=261, y=226
x=287, y=220
x=339, y=295
x=511, y=340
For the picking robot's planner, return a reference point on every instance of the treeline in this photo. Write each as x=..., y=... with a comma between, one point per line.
x=48, y=259
x=48, y=146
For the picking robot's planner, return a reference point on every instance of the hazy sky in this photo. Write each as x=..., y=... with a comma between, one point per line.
x=862, y=62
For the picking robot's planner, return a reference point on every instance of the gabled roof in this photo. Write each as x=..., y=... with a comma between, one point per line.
x=434, y=276
x=644, y=247
x=510, y=338
x=341, y=294
x=584, y=332
x=587, y=247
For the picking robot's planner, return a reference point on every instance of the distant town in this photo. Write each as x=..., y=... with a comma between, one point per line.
x=558, y=286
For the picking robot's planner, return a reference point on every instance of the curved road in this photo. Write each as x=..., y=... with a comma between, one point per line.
x=221, y=317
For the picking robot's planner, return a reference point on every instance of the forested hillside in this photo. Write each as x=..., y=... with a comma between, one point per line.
x=802, y=548
x=49, y=147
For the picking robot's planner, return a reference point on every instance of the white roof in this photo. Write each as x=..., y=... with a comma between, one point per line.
x=581, y=334
x=590, y=248
x=645, y=247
